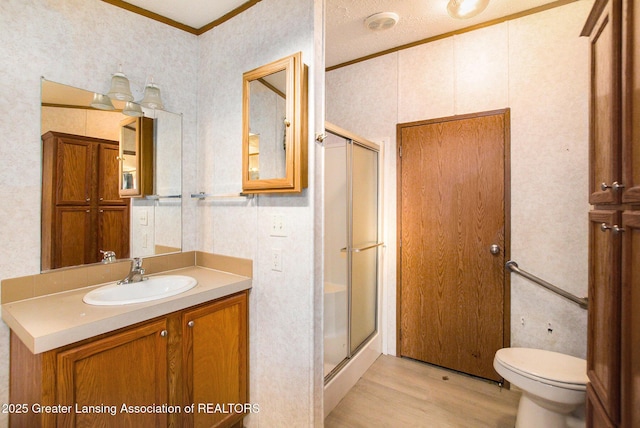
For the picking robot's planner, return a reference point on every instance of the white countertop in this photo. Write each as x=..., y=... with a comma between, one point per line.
x=48, y=322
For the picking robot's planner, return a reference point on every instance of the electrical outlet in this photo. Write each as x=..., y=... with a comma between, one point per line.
x=276, y=259
x=143, y=217
x=278, y=226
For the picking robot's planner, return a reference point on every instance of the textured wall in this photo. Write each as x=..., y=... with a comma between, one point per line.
x=78, y=43
x=281, y=305
x=538, y=66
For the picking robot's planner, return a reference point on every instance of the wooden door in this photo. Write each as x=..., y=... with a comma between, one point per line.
x=603, y=326
x=453, y=305
x=215, y=356
x=126, y=368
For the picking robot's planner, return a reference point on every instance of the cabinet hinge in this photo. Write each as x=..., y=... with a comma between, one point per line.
x=400, y=151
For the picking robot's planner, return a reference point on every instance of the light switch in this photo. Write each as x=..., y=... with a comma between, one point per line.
x=278, y=227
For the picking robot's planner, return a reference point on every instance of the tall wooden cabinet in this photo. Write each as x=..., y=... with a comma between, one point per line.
x=613, y=354
x=82, y=212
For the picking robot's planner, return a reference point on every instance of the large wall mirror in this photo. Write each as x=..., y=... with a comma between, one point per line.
x=274, y=151
x=83, y=212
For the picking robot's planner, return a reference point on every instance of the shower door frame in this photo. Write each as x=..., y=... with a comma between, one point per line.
x=353, y=139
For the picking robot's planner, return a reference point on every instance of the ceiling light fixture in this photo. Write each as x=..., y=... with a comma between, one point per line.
x=381, y=21
x=463, y=9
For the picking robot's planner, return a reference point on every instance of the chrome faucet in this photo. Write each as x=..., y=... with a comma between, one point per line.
x=136, y=273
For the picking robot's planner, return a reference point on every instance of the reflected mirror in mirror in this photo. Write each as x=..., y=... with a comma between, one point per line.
x=128, y=155
x=267, y=126
x=82, y=212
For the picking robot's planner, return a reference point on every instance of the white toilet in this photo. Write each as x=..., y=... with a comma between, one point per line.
x=553, y=385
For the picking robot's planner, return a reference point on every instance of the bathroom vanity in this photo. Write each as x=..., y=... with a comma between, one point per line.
x=177, y=361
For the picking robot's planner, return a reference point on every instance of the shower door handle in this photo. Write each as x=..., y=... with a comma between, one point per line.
x=362, y=248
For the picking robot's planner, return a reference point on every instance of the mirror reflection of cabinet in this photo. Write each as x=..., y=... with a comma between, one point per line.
x=274, y=127
x=81, y=211
x=136, y=157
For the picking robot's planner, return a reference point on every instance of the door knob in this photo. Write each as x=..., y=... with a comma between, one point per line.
x=494, y=249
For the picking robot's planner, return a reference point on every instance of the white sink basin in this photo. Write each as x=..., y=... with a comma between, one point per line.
x=152, y=288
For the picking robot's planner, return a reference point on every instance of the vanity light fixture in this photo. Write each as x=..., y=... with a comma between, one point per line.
x=463, y=9
x=151, y=97
x=102, y=102
x=132, y=109
x=120, y=89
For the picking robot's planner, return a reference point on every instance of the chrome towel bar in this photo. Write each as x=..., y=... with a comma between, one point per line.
x=583, y=302
x=203, y=195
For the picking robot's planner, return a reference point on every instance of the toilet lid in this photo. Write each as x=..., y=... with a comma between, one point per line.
x=548, y=365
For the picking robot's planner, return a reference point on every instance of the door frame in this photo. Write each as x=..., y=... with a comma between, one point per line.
x=506, y=113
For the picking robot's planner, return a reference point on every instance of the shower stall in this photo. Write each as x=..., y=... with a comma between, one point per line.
x=352, y=248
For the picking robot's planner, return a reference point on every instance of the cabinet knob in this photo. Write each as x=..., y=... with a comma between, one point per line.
x=615, y=186
x=164, y=333
x=191, y=323
x=615, y=228
x=87, y=199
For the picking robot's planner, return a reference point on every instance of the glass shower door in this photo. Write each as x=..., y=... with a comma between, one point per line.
x=351, y=245
x=364, y=244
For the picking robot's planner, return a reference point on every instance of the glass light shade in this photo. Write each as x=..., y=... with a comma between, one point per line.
x=462, y=9
x=151, y=97
x=120, y=89
x=132, y=109
x=102, y=102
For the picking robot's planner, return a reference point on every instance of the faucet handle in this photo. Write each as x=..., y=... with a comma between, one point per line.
x=108, y=256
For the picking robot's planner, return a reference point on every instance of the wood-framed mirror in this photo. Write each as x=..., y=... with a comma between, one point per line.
x=136, y=157
x=274, y=127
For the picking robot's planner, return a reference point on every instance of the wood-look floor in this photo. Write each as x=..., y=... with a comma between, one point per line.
x=399, y=392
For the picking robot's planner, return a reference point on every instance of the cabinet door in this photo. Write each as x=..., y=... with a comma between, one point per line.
x=631, y=102
x=126, y=368
x=73, y=236
x=605, y=122
x=603, y=349
x=631, y=319
x=596, y=415
x=216, y=361
x=113, y=231
x=74, y=172
x=108, y=167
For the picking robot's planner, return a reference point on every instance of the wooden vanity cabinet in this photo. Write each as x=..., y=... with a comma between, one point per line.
x=215, y=355
x=82, y=212
x=194, y=356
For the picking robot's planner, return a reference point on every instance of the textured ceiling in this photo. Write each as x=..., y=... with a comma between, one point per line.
x=347, y=38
